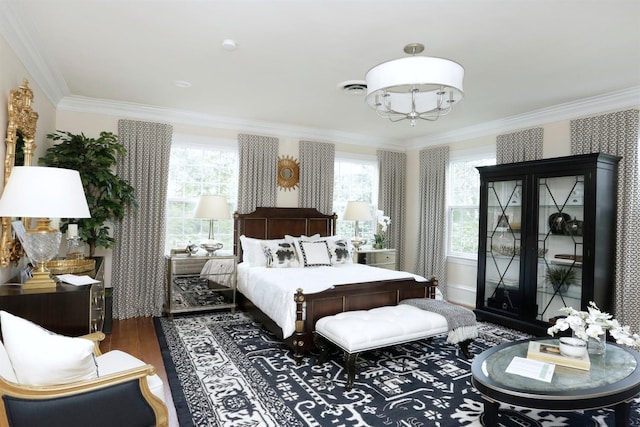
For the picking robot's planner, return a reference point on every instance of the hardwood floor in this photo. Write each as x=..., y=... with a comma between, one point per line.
x=137, y=337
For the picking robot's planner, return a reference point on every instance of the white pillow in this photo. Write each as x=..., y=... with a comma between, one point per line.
x=280, y=255
x=315, y=253
x=252, y=250
x=41, y=358
x=296, y=240
x=6, y=369
x=340, y=251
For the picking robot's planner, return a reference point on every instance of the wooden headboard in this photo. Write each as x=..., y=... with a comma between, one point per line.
x=274, y=223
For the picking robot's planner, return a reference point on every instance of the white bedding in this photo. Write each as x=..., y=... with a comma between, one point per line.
x=272, y=289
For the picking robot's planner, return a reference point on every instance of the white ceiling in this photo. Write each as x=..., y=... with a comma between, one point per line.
x=520, y=56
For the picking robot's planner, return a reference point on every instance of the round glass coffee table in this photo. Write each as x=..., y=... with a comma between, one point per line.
x=613, y=380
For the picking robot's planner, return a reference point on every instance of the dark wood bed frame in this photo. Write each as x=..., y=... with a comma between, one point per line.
x=274, y=223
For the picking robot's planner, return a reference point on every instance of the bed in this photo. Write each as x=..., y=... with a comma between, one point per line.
x=303, y=303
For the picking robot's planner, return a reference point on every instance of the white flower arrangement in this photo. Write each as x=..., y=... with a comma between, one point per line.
x=593, y=324
x=383, y=223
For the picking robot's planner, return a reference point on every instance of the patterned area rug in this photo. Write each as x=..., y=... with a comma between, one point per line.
x=225, y=370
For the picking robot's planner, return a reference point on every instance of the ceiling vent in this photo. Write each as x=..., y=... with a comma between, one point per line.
x=353, y=87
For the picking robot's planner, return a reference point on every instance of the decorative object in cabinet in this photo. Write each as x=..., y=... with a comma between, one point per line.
x=382, y=258
x=563, y=220
x=197, y=283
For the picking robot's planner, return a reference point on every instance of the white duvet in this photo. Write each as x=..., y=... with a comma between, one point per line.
x=272, y=289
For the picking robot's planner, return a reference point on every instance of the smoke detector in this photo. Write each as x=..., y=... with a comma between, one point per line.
x=353, y=87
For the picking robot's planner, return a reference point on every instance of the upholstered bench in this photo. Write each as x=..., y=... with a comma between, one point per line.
x=358, y=331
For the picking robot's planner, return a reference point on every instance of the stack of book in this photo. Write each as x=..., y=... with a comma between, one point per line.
x=550, y=353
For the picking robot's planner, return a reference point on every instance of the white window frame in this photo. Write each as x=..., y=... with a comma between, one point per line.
x=463, y=155
x=366, y=230
x=213, y=144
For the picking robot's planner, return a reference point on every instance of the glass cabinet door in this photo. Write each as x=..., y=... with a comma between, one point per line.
x=502, y=263
x=560, y=243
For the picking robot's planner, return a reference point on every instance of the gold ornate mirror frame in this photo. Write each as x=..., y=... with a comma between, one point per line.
x=21, y=131
x=288, y=173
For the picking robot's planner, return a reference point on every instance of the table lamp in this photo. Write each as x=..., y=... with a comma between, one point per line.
x=212, y=207
x=357, y=211
x=43, y=193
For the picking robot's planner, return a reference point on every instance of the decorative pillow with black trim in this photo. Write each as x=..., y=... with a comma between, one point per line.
x=280, y=255
x=315, y=253
x=340, y=252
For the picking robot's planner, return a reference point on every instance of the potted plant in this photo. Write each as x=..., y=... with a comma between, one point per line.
x=560, y=278
x=108, y=195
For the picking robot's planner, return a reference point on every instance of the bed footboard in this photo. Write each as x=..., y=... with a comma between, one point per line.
x=358, y=296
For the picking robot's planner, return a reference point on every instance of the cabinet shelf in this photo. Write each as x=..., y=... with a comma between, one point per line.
x=566, y=185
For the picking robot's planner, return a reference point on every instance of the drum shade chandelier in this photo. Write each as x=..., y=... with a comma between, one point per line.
x=415, y=87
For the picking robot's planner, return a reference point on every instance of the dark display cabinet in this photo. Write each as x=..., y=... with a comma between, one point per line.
x=547, y=239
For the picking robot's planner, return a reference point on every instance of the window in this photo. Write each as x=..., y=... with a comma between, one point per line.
x=463, y=203
x=355, y=178
x=196, y=169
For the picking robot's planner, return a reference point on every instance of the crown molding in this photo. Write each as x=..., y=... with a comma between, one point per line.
x=571, y=110
x=129, y=110
x=20, y=38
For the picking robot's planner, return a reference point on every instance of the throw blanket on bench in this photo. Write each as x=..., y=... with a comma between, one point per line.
x=461, y=321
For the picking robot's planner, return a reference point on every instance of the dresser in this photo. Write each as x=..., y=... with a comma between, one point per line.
x=68, y=310
x=199, y=283
x=382, y=258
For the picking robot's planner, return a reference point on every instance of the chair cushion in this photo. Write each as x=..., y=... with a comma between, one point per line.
x=115, y=361
x=40, y=357
x=6, y=369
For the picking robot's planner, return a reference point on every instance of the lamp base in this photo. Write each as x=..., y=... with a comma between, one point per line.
x=211, y=246
x=357, y=242
x=40, y=280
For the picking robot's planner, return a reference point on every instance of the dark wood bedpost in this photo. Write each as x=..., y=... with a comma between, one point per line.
x=298, y=341
x=432, y=289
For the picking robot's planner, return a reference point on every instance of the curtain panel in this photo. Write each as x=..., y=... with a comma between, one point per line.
x=316, y=176
x=258, y=179
x=432, y=221
x=519, y=146
x=138, y=257
x=392, y=197
x=617, y=133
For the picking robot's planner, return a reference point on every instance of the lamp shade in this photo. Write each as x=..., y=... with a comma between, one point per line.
x=212, y=207
x=43, y=192
x=357, y=211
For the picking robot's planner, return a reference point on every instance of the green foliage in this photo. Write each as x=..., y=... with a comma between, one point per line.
x=108, y=195
x=560, y=276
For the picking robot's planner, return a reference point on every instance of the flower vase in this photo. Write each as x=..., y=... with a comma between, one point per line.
x=378, y=246
x=597, y=346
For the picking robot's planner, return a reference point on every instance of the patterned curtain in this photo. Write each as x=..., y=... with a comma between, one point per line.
x=138, y=257
x=316, y=176
x=392, y=196
x=432, y=256
x=258, y=180
x=617, y=133
x=519, y=146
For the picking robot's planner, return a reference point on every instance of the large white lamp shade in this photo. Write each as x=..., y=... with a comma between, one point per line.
x=43, y=193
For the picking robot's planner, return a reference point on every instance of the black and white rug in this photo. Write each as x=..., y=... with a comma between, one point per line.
x=225, y=370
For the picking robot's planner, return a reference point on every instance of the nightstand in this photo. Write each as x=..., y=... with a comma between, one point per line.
x=198, y=283
x=382, y=258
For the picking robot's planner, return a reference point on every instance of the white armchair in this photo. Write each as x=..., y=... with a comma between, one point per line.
x=51, y=380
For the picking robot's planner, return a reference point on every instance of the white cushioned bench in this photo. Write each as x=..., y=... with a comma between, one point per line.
x=362, y=330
